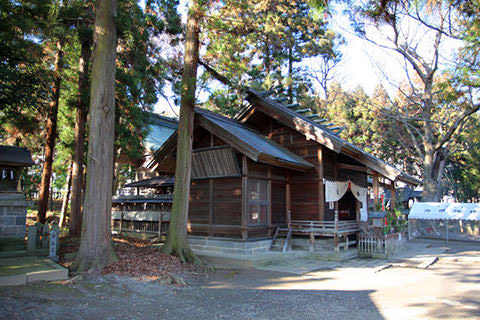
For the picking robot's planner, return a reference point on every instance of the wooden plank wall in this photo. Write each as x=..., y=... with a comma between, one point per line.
x=215, y=207
x=305, y=188
x=215, y=204
x=275, y=194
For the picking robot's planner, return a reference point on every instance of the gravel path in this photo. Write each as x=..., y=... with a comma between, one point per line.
x=450, y=288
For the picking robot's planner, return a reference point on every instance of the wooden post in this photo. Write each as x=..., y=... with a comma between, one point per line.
x=335, y=237
x=244, y=198
x=288, y=201
x=393, y=197
x=321, y=187
x=269, y=201
x=375, y=191
x=211, y=186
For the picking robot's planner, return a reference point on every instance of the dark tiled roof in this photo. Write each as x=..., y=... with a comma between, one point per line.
x=155, y=182
x=15, y=156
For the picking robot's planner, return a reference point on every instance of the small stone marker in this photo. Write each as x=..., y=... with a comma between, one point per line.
x=53, y=248
x=32, y=239
x=45, y=233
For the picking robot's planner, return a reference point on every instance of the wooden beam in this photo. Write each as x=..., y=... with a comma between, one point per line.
x=248, y=114
x=321, y=187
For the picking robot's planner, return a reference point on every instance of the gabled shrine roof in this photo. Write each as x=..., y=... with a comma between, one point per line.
x=245, y=140
x=317, y=132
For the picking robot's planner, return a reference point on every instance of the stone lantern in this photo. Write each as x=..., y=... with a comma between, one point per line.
x=13, y=205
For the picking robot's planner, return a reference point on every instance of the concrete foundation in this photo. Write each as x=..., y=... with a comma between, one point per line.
x=229, y=246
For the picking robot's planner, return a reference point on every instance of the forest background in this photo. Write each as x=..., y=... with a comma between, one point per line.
x=425, y=121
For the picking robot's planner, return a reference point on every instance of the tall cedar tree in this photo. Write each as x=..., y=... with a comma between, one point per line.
x=177, y=233
x=262, y=44
x=96, y=248
x=51, y=128
x=85, y=37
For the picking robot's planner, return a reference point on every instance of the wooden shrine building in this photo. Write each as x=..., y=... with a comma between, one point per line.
x=273, y=168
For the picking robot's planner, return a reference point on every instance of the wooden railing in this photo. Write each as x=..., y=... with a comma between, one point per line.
x=339, y=230
x=324, y=227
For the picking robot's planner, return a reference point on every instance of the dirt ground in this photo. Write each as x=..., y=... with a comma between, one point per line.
x=448, y=289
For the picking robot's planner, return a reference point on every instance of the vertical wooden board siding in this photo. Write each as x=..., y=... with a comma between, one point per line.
x=305, y=191
x=328, y=157
x=227, y=198
x=260, y=122
x=278, y=174
x=304, y=200
x=201, y=138
x=258, y=233
x=279, y=203
x=305, y=177
x=199, y=202
x=257, y=169
x=214, y=163
x=218, y=142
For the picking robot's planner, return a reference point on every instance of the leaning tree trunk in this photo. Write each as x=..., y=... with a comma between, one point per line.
x=96, y=246
x=78, y=155
x=177, y=233
x=51, y=128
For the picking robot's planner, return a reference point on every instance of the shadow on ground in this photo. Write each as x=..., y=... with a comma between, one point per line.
x=114, y=297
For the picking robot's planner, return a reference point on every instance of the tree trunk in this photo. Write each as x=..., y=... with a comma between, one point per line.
x=96, y=248
x=51, y=128
x=177, y=233
x=290, y=73
x=433, y=168
x=66, y=197
x=78, y=156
